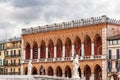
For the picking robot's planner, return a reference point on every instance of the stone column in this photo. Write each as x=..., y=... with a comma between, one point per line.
x=38, y=54
x=63, y=51
x=92, y=50
x=72, y=52
x=46, y=53
x=24, y=54
x=92, y=77
x=31, y=53
x=54, y=53
x=82, y=50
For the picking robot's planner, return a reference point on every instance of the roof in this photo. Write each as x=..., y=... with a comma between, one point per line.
x=115, y=37
x=71, y=24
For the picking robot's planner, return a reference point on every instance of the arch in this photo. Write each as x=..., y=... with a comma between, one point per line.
x=68, y=46
x=115, y=76
x=27, y=51
x=59, y=71
x=97, y=45
x=42, y=70
x=34, y=71
x=87, y=45
x=59, y=48
x=35, y=51
x=68, y=72
x=87, y=72
x=77, y=43
x=50, y=49
x=97, y=73
x=50, y=71
x=26, y=71
x=42, y=50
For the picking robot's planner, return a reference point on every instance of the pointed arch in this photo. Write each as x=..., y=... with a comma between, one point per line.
x=68, y=72
x=97, y=45
x=87, y=45
x=34, y=71
x=87, y=72
x=97, y=72
x=68, y=46
x=42, y=70
x=77, y=43
x=35, y=50
x=27, y=56
x=59, y=71
x=50, y=49
x=43, y=49
x=50, y=71
x=59, y=48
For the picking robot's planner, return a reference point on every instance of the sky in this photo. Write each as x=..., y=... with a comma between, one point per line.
x=18, y=14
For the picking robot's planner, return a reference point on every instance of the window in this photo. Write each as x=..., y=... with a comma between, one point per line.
x=0, y=53
x=110, y=54
x=114, y=42
x=118, y=53
x=14, y=62
x=109, y=66
x=110, y=42
x=19, y=61
x=14, y=52
x=19, y=71
x=14, y=70
x=0, y=61
x=11, y=53
x=19, y=52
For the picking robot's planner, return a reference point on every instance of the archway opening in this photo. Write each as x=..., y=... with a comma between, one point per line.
x=87, y=46
x=59, y=48
x=35, y=51
x=42, y=50
x=97, y=73
x=51, y=49
x=98, y=45
x=42, y=70
x=59, y=72
x=68, y=48
x=26, y=71
x=77, y=43
x=34, y=71
x=50, y=71
x=28, y=51
x=87, y=72
x=68, y=72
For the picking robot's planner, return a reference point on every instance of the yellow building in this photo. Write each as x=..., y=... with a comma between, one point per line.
x=2, y=57
x=12, y=56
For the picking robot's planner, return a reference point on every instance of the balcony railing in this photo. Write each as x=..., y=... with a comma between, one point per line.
x=113, y=57
x=13, y=64
x=9, y=56
x=114, y=70
x=65, y=59
x=12, y=73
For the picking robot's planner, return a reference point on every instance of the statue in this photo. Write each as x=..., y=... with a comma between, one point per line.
x=29, y=67
x=76, y=68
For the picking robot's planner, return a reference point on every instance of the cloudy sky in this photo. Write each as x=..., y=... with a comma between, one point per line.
x=18, y=14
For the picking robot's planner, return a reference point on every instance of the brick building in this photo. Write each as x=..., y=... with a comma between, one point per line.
x=52, y=48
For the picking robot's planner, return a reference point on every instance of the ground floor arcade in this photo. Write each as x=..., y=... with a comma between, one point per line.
x=87, y=69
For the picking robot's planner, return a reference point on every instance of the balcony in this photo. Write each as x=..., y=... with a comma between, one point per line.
x=113, y=57
x=98, y=57
x=13, y=56
x=13, y=64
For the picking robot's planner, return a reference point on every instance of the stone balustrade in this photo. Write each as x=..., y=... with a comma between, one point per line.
x=71, y=24
x=66, y=59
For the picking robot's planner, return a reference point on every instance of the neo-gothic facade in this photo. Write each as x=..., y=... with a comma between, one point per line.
x=52, y=48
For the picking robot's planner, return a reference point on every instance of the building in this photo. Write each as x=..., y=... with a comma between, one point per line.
x=2, y=57
x=52, y=48
x=114, y=56
x=13, y=57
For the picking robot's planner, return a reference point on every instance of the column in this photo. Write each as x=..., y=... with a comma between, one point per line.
x=46, y=53
x=54, y=53
x=63, y=51
x=92, y=50
x=82, y=50
x=24, y=54
x=72, y=52
x=38, y=54
x=31, y=53
x=92, y=76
